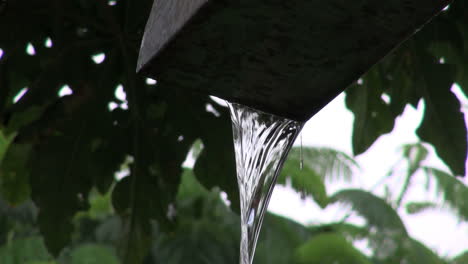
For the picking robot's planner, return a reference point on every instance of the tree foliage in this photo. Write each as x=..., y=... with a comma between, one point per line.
x=61, y=150
x=423, y=68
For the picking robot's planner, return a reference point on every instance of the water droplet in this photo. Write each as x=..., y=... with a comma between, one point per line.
x=301, y=163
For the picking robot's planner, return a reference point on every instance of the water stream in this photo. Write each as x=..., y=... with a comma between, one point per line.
x=262, y=142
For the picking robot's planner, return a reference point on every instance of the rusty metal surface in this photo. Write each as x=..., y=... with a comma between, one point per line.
x=289, y=58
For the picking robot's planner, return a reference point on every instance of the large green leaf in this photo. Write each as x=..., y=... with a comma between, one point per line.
x=416, y=252
x=329, y=248
x=403, y=76
x=65, y=164
x=373, y=117
x=443, y=124
x=279, y=239
x=60, y=185
x=216, y=164
x=14, y=175
x=93, y=254
x=24, y=251
x=132, y=200
x=190, y=187
x=5, y=141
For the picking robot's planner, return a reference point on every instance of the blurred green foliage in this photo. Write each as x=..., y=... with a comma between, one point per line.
x=59, y=153
x=206, y=230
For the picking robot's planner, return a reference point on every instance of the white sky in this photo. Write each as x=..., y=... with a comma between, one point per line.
x=332, y=127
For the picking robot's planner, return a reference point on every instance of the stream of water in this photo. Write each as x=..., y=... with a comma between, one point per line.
x=262, y=142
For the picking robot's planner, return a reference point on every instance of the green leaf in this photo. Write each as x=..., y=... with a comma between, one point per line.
x=20, y=119
x=279, y=239
x=453, y=192
x=189, y=186
x=100, y=205
x=93, y=254
x=416, y=252
x=417, y=207
x=460, y=259
x=132, y=201
x=14, y=174
x=207, y=231
x=372, y=116
x=216, y=166
x=5, y=141
x=329, y=248
x=61, y=178
x=136, y=239
x=414, y=154
x=23, y=251
x=412, y=251
x=304, y=180
x=67, y=161
x=443, y=125
x=374, y=209
x=348, y=230
x=326, y=162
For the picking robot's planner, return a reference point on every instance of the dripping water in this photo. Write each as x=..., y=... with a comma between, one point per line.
x=301, y=163
x=261, y=142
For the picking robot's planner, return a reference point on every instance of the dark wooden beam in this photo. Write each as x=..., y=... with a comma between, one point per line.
x=289, y=58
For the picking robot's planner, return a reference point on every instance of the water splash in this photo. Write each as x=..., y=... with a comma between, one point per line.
x=262, y=142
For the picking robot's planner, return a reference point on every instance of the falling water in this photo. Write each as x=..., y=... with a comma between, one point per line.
x=262, y=142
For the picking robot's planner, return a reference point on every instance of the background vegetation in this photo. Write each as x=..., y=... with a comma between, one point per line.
x=62, y=142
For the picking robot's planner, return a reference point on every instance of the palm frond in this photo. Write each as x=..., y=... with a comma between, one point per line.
x=329, y=248
x=375, y=210
x=418, y=207
x=460, y=259
x=453, y=192
x=350, y=231
x=414, y=154
x=305, y=180
x=417, y=252
x=326, y=162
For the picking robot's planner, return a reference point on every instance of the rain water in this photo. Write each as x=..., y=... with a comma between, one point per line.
x=262, y=142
